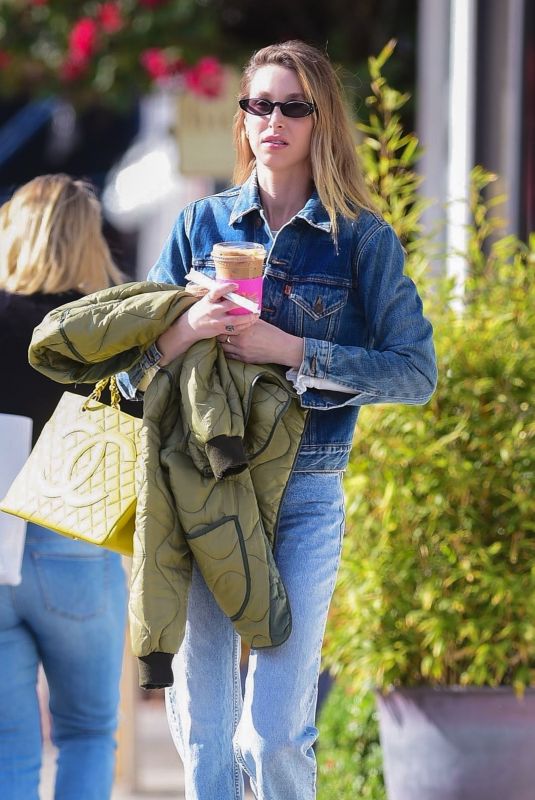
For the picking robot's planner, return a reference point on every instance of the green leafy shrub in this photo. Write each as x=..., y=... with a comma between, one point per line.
x=438, y=576
x=437, y=581
x=388, y=154
x=349, y=753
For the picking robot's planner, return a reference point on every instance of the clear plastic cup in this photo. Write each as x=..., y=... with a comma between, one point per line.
x=241, y=263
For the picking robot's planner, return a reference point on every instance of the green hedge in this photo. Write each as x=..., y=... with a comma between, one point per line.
x=348, y=752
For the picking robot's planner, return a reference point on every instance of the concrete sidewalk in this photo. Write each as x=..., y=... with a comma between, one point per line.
x=159, y=769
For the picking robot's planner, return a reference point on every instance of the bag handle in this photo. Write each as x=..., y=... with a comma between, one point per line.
x=99, y=388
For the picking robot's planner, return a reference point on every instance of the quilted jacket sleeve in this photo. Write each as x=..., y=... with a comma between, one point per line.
x=105, y=332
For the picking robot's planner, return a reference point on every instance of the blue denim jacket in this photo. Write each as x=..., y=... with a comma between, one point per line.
x=360, y=317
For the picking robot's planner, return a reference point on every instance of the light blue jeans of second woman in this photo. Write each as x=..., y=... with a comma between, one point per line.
x=69, y=614
x=269, y=732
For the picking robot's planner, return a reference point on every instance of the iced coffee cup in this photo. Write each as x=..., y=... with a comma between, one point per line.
x=241, y=263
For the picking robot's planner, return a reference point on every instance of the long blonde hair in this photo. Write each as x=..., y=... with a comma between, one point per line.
x=335, y=168
x=51, y=239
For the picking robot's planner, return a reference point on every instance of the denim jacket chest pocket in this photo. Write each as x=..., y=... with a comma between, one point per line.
x=305, y=308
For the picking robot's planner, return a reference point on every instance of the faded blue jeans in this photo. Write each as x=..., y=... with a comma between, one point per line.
x=269, y=732
x=68, y=613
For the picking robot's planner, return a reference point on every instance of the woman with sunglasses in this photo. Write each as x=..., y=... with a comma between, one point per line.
x=347, y=325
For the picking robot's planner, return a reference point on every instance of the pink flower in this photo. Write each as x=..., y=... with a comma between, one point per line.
x=206, y=77
x=5, y=59
x=155, y=62
x=110, y=17
x=83, y=39
x=159, y=64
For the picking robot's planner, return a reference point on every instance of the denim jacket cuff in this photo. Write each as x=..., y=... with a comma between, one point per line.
x=148, y=360
x=150, y=357
x=316, y=356
x=131, y=383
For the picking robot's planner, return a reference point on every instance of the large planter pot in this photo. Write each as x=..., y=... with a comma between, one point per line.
x=458, y=744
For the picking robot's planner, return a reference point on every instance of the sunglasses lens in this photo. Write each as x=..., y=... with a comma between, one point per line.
x=256, y=106
x=296, y=108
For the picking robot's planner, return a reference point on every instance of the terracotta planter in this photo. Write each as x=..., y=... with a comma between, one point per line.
x=458, y=744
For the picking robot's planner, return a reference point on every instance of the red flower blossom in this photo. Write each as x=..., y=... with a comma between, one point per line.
x=5, y=59
x=159, y=64
x=72, y=69
x=206, y=77
x=83, y=39
x=110, y=17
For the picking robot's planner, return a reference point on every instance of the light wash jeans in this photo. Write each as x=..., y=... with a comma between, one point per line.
x=269, y=732
x=69, y=613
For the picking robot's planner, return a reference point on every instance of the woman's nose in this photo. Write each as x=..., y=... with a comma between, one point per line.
x=276, y=117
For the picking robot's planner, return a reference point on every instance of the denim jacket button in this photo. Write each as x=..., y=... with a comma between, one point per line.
x=318, y=306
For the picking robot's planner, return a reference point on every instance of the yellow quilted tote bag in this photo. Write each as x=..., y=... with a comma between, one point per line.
x=80, y=478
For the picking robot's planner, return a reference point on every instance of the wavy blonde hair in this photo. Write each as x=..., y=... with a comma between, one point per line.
x=335, y=167
x=51, y=239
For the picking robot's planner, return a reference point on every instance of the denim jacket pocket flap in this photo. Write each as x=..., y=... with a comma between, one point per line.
x=318, y=300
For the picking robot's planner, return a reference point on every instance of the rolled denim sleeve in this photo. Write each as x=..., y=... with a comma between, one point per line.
x=129, y=382
x=172, y=265
x=399, y=366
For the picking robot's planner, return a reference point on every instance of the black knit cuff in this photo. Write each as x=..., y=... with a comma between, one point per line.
x=155, y=670
x=226, y=455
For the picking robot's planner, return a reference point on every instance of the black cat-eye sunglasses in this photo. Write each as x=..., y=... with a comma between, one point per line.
x=261, y=107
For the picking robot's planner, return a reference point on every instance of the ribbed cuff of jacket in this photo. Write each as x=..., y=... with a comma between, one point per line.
x=226, y=455
x=155, y=670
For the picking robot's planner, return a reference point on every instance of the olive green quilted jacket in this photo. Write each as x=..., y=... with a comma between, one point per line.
x=219, y=439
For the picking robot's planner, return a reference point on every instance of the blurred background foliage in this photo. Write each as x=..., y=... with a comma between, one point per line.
x=114, y=49
x=98, y=59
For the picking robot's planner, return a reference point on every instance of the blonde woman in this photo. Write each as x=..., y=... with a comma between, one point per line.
x=347, y=325
x=68, y=612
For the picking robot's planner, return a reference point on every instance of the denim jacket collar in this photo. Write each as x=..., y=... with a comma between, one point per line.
x=248, y=200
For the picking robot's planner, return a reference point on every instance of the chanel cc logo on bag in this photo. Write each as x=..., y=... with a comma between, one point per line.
x=84, y=459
